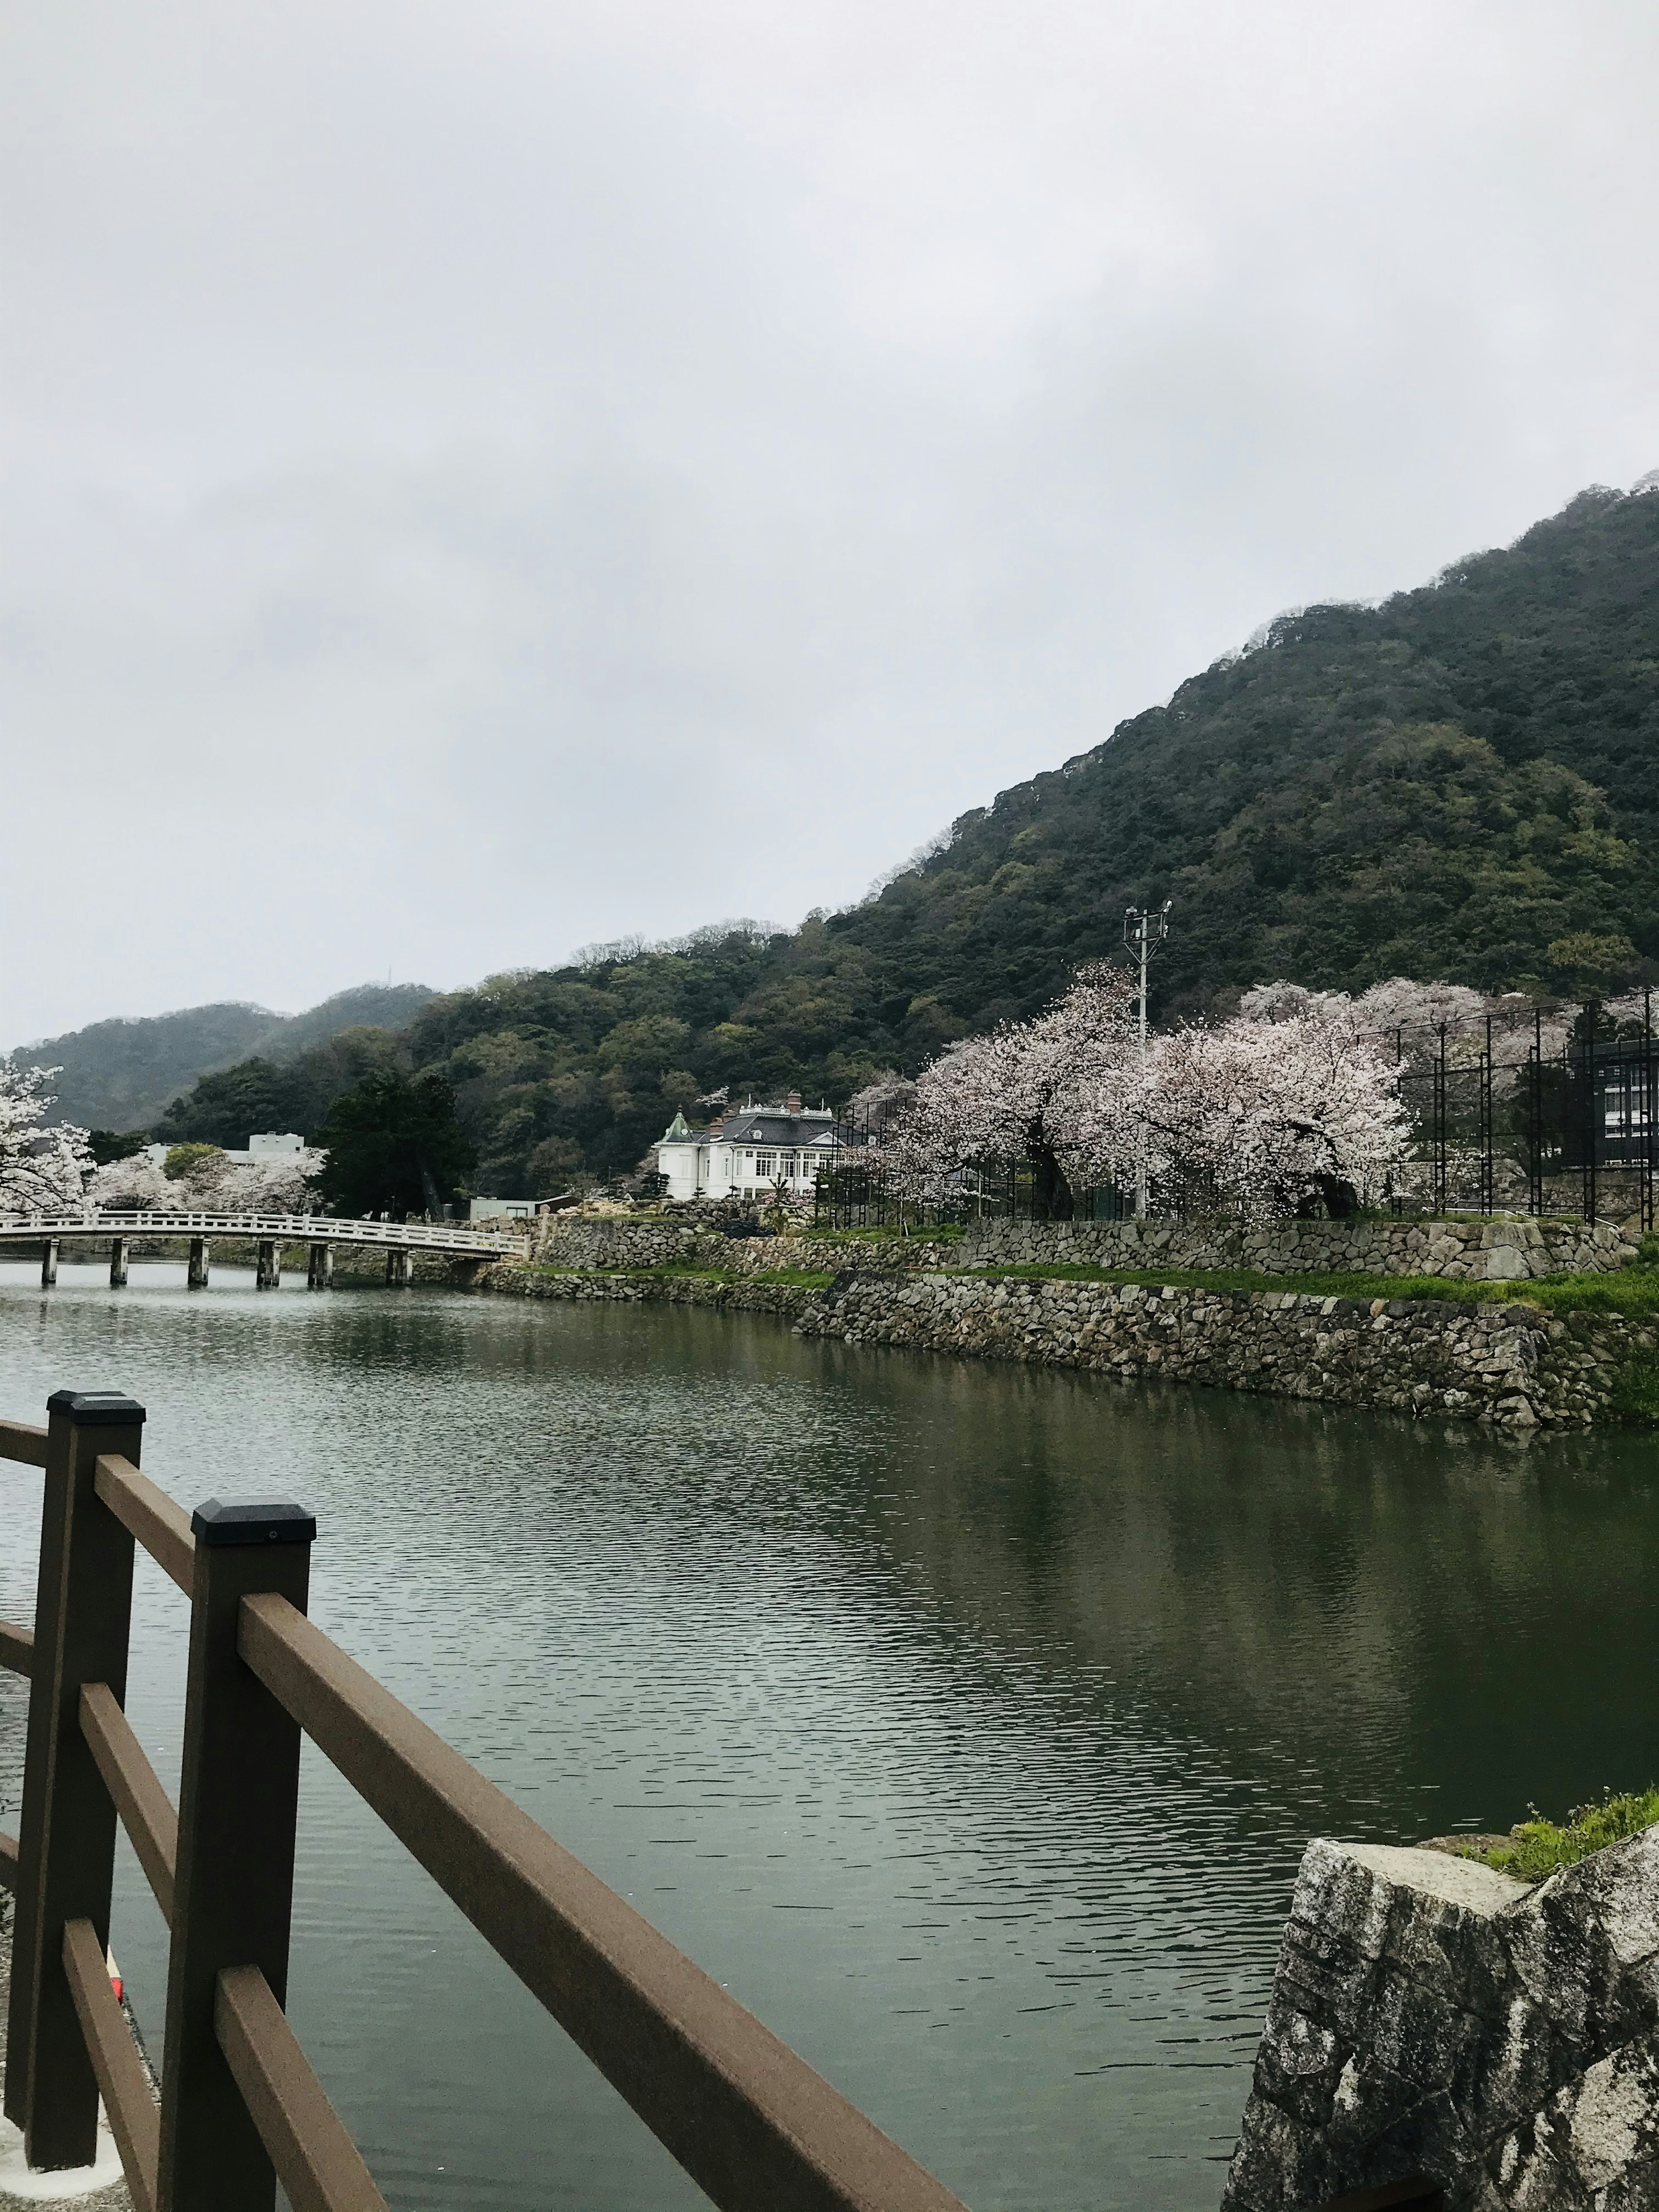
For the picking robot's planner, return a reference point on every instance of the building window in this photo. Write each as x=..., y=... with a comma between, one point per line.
x=788, y=1165
x=766, y=1165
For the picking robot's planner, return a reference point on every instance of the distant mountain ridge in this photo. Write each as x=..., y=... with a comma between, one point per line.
x=122, y=1074
x=1462, y=782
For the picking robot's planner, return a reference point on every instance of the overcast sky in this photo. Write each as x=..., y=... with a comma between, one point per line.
x=485, y=479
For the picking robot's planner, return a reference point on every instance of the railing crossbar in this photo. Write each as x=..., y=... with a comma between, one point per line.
x=148, y=1515
x=317, y=2162
x=754, y=2125
x=135, y=1788
x=23, y=1442
x=16, y=1648
x=122, y=2082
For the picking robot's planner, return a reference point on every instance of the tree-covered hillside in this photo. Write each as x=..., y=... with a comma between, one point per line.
x=1462, y=783
x=121, y=1074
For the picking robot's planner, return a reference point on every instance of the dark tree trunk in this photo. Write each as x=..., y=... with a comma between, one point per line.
x=1051, y=1195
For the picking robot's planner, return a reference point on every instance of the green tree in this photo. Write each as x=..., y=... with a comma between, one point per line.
x=395, y=1146
x=108, y=1145
x=181, y=1158
x=1585, y=966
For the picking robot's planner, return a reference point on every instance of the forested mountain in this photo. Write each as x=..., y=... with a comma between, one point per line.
x=121, y=1074
x=1462, y=782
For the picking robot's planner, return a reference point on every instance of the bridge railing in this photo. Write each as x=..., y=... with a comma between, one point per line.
x=290, y=1228
x=240, y=2107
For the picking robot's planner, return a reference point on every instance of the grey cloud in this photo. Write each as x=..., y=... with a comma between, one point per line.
x=486, y=482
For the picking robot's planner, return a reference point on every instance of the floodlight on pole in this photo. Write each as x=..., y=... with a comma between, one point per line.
x=1144, y=933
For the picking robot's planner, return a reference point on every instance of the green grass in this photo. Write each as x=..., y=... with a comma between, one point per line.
x=1634, y=1291
x=1541, y=1845
x=1636, y=1392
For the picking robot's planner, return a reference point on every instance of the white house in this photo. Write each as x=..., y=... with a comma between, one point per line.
x=749, y=1152
x=268, y=1144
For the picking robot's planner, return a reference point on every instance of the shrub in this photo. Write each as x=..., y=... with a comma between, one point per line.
x=1541, y=1845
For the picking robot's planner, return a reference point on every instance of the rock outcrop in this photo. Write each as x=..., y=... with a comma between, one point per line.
x=1430, y=2015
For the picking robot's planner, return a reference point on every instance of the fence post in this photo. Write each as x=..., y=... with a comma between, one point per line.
x=1592, y=1102
x=66, y=1850
x=238, y=1797
x=1648, y=1105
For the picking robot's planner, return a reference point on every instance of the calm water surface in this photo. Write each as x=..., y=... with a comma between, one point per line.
x=968, y=1723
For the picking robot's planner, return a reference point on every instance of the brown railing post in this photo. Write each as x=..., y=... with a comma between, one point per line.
x=234, y=1887
x=66, y=1853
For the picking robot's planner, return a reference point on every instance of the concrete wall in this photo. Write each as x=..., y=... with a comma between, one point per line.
x=1493, y=1251
x=1430, y=2015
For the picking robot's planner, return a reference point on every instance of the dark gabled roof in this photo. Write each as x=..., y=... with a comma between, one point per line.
x=760, y=1126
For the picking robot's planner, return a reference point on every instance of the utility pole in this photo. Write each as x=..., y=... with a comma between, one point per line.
x=1144, y=933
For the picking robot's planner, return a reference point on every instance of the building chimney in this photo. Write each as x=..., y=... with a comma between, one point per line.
x=791, y=1104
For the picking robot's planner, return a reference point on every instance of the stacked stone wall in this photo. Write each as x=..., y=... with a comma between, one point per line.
x=589, y=1286
x=1486, y=1251
x=564, y=1241
x=1511, y=1365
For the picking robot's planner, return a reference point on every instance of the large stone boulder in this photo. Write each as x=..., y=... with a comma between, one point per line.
x=1430, y=2015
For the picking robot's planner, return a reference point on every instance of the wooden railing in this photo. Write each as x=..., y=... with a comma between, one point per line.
x=240, y=2106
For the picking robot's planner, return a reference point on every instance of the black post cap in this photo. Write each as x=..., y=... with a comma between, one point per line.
x=214, y=1524
x=92, y=1407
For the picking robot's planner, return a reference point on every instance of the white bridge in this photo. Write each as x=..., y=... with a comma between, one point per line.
x=270, y=1232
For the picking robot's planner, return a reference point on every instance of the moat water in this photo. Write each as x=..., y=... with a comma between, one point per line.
x=968, y=1722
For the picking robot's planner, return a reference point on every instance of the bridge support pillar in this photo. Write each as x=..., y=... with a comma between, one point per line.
x=119, y=1248
x=49, y=1264
x=269, y=1272
x=319, y=1267
x=197, y=1278
x=398, y=1271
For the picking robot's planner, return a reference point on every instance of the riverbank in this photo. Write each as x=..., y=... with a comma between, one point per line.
x=1519, y=1367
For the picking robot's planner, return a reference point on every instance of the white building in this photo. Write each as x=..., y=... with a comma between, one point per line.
x=500, y=1209
x=748, y=1152
x=268, y=1144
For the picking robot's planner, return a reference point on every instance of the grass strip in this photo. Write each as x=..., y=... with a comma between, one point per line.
x=1541, y=1845
x=1630, y=1290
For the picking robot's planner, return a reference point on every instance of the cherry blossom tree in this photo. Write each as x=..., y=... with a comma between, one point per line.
x=42, y=1170
x=135, y=1185
x=283, y=1182
x=1033, y=1091
x=1266, y=1117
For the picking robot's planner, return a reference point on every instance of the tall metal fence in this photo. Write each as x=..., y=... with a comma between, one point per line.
x=1554, y=1115
x=1557, y=1121
x=853, y=1191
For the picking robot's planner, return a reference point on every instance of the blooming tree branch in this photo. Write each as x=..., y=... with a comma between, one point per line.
x=42, y=1170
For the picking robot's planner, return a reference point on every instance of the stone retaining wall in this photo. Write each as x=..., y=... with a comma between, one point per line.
x=1511, y=1365
x=1493, y=1251
x=1430, y=2015
x=786, y=1298
x=565, y=1242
